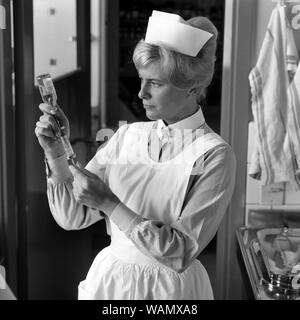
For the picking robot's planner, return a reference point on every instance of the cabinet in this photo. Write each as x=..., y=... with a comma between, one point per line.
x=55, y=37
x=133, y=19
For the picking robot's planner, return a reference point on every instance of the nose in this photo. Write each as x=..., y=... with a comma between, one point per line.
x=144, y=92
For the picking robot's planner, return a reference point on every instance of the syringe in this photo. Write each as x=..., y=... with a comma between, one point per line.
x=49, y=96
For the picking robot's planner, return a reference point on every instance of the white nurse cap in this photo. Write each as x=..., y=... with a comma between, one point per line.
x=171, y=30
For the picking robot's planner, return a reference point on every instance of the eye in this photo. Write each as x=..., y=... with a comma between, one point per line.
x=155, y=84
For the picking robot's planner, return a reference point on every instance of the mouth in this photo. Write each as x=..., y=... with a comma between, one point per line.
x=148, y=106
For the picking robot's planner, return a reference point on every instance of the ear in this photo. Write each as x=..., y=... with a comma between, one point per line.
x=192, y=91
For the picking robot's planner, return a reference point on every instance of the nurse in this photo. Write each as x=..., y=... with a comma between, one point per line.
x=162, y=186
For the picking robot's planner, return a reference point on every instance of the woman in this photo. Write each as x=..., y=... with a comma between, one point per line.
x=162, y=186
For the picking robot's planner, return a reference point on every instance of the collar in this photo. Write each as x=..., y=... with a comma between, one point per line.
x=192, y=122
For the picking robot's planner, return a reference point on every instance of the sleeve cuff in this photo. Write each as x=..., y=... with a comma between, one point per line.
x=58, y=170
x=125, y=218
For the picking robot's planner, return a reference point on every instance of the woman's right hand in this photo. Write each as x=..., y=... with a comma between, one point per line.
x=47, y=130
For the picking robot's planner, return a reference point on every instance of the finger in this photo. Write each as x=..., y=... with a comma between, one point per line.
x=47, y=121
x=44, y=129
x=75, y=172
x=47, y=108
x=40, y=131
x=51, y=120
x=59, y=112
x=59, y=115
x=42, y=124
x=82, y=171
x=54, y=111
x=86, y=172
x=79, y=165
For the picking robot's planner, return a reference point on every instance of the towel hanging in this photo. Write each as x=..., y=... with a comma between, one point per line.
x=276, y=105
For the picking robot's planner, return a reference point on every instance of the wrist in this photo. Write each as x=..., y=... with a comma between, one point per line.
x=54, y=152
x=110, y=204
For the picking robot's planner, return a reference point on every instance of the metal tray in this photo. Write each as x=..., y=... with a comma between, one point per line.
x=274, y=285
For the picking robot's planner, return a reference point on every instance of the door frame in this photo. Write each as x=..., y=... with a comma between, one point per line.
x=30, y=197
x=8, y=219
x=239, y=39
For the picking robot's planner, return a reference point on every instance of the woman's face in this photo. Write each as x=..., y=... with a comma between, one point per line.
x=161, y=99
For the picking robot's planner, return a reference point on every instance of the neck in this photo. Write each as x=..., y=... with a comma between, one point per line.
x=189, y=112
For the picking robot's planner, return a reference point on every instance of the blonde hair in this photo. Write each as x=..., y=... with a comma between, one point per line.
x=181, y=70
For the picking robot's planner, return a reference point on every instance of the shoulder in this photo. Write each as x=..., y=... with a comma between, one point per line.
x=221, y=149
x=220, y=156
x=220, y=165
x=222, y=152
x=218, y=168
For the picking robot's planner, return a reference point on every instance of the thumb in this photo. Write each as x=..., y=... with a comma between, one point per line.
x=79, y=165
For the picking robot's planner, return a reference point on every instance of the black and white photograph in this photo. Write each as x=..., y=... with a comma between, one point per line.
x=149, y=153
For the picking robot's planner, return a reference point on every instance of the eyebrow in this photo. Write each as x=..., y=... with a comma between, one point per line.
x=152, y=79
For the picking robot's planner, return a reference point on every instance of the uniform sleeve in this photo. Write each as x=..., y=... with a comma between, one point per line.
x=178, y=244
x=69, y=214
x=65, y=210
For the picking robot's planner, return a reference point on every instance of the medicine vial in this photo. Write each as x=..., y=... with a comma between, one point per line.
x=49, y=96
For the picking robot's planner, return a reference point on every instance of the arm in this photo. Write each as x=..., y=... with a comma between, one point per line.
x=61, y=201
x=178, y=244
x=67, y=211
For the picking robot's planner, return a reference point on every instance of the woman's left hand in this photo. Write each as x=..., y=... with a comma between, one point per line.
x=90, y=190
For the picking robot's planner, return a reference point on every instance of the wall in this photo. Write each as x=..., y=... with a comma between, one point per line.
x=239, y=30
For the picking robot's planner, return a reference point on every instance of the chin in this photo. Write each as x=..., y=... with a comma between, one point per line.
x=152, y=116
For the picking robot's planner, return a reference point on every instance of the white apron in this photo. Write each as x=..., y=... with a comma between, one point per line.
x=155, y=190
